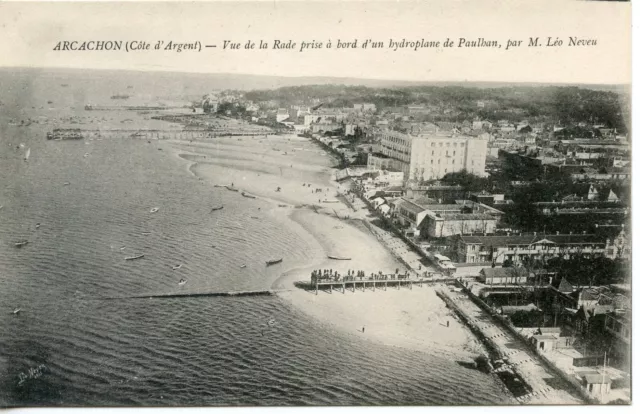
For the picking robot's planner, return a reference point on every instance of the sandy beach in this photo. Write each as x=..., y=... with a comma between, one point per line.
x=307, y=199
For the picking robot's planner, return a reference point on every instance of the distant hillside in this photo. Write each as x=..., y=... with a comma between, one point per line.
x=198, y=83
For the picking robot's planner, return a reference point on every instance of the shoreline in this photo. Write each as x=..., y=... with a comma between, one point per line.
x=413, y=320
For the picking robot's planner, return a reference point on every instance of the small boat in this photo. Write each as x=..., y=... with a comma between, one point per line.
x=26, y=156
x=37, y=226
x=217, y=208
x=153, y=210
x=21, y=243
x=146, y=233
x=123, y=247
x=248, y=195
x=17, y=311
x=67, y=183
x=339, y=258
x=86, y=155
x=243, y=266
x=182, y=282
x=176, y=267
x=231, y=188
x=271, y=322
x=140, y=256
x=273, y=261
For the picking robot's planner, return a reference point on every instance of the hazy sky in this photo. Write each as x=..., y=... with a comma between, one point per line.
x=30, y=31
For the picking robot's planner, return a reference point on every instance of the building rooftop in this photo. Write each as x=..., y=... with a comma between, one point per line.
x=565, y=286
x=463, y=216
x=597, y=379
x=410, y=206
x=504, y=272
x=529, y=239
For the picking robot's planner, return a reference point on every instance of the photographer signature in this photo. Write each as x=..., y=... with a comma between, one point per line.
x=33, y=373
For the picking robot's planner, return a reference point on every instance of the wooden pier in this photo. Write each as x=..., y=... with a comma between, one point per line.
x=372, y=284
x=155, y=134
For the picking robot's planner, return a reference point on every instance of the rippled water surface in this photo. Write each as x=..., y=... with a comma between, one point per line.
x=92, y=350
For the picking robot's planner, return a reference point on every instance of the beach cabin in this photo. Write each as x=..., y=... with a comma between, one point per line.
x=596, y=384
x=544, y=343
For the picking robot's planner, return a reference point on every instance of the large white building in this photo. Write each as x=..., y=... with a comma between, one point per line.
x=430, y=156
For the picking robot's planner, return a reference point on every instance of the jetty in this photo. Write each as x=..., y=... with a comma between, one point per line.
x=149, y=134
x=200, y=294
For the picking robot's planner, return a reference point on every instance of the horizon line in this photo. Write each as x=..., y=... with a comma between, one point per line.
x=365, y=79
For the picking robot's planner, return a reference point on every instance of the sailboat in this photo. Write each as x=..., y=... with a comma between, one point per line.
x=26, y=156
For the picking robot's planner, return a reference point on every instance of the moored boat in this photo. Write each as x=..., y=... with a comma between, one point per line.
x=338, y=257
x=273, y=261
x=140, y=256
x=248, y=195
x=230, y=188
x=155, y=209
x=217, y=208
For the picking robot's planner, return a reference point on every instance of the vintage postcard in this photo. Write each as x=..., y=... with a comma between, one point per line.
x=327, y=203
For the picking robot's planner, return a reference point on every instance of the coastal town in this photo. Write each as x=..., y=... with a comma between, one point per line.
x=520, y=217
x=508, y=209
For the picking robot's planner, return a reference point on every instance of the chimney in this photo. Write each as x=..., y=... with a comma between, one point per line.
x=557, y=233
x=535, y=233
x=570, y=233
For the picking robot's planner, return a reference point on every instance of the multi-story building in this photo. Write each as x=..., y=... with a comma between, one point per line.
x=429, y=219
x=495, y=248
x=428, y=156
x=618, y=325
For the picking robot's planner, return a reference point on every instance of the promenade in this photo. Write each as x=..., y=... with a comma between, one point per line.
x=544, y=386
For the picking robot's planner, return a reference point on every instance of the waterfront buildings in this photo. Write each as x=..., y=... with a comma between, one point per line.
x=428, y=156
x=517, y=247
x=427, y=218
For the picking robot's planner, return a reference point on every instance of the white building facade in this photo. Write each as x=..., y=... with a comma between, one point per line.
x=431, y=156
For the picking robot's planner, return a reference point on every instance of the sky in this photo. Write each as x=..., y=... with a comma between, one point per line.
x=31, y=30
